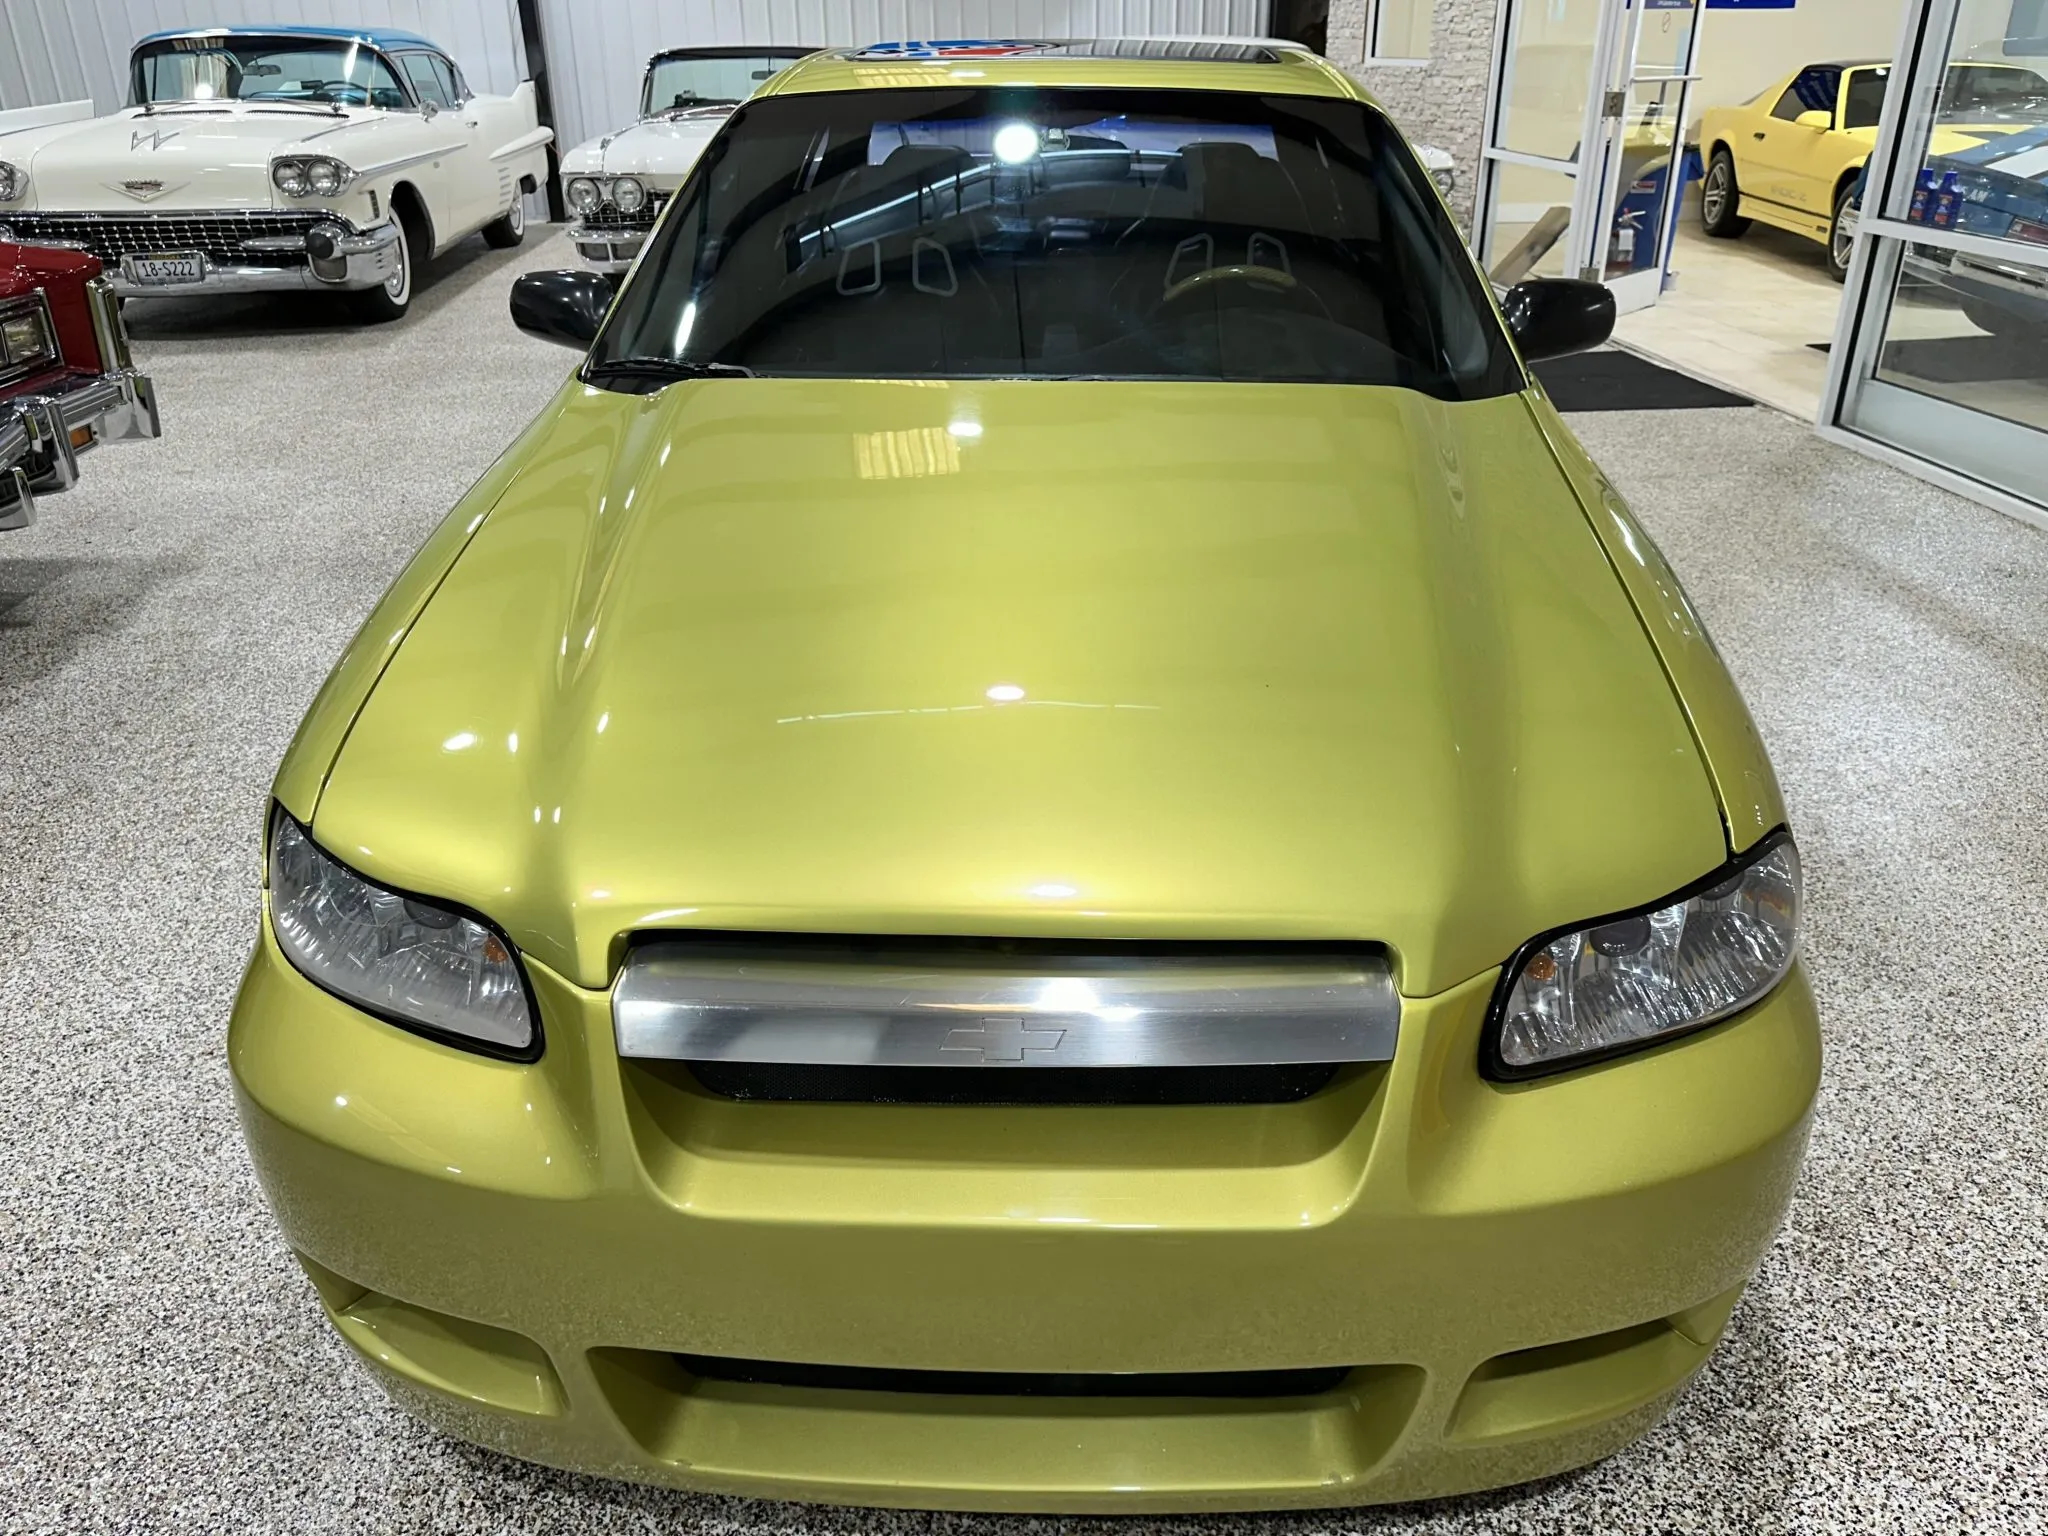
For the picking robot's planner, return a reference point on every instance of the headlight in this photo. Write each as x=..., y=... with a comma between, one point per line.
x=414, y=962
x=1641, y=977
x=582, y=193
x=25, y=340
x=13, y=182
x=1446, y=179
x=310, y=175
x=628, y=194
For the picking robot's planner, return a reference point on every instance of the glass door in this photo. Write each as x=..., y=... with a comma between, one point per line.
x=1581, y=172
x=1643, y=132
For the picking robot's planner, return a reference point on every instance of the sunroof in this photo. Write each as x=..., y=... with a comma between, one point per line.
x=1201, y=50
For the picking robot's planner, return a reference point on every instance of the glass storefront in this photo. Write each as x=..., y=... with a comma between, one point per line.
x=1942, y=354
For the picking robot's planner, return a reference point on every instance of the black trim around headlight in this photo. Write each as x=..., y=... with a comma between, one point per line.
x=1495, y=1068
x=474, y=1045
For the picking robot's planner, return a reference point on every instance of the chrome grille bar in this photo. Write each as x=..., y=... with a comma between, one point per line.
x=692, y=1001
x=225, y=237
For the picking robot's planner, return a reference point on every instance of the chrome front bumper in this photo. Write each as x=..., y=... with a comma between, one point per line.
x=607, y=247
x=41, y=435
x=334, y=259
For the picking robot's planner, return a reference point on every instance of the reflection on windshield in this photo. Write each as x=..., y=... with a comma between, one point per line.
x=679, y=84
x=1064, y=233
x=1982, y=92
x=189, y=69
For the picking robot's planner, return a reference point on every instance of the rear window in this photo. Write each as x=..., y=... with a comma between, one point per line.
x=1064, y=234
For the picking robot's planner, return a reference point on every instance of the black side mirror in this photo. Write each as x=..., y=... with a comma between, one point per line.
x=1554, y=316
x=564, y=307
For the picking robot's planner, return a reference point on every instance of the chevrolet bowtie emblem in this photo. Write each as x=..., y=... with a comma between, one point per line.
x=156, y=138
x=1003, y=1039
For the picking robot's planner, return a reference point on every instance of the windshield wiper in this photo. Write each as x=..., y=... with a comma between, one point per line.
x=664, y=369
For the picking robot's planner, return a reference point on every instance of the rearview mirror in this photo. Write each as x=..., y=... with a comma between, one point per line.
x=1556, y=316
x=563, y=307
x=1821, y=120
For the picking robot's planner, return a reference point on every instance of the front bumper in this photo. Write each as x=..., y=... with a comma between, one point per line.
x=609, y=247
x=328, y=259
x=41, y=435
x=1516, y=1278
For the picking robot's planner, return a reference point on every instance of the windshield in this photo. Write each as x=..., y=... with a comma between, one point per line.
x=677, y=84
x=1063, y=233
x=332, y=72
x=1985, y=92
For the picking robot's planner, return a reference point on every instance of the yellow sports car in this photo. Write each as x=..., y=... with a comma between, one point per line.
x=1792, y=157
x=1046, y=845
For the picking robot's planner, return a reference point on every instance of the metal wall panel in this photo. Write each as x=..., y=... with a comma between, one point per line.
x=598, y=51
x=65, y=50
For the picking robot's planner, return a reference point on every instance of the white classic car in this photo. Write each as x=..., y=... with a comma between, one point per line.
x=256, y=158
x=616, y=184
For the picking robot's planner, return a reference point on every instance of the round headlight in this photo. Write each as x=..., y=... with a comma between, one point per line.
x=13, y=182
x=289, y=177
x=629, y=194
x=582, y=194
x=324, y=177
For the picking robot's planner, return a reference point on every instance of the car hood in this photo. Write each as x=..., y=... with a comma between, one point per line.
x=1171, y=660
x=215, y=158
x=660, y=149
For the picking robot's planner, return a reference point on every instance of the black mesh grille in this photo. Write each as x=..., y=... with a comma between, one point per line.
x=110, y=236
x=854, y=1378
x=994, y=1086
x=607, y=216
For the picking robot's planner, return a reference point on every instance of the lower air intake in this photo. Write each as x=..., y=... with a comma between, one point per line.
x=851, y=1378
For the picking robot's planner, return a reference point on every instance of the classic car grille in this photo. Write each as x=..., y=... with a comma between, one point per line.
x=608, y=216
x=110, y=236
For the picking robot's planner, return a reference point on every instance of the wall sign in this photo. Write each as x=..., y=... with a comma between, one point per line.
x=1750, y=5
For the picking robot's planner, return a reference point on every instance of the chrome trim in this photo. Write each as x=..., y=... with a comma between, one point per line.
x=371, y=254
x=400, y=164
x=36, y=451
x=109, y=330
x=707, y=1001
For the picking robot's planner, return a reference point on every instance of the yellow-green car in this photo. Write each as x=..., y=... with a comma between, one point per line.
x=1046, y=846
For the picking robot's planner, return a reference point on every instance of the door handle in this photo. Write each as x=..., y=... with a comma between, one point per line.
x=1758, y=137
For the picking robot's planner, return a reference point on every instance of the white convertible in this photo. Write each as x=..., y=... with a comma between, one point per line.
x=616, y=184
x=255, y=158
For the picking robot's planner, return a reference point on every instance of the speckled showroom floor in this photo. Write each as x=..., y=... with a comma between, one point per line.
x=162, y=1364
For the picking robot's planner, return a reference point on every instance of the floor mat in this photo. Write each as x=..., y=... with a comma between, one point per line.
x=1621, y=381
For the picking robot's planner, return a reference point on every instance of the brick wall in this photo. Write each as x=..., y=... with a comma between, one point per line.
x=1442, y=102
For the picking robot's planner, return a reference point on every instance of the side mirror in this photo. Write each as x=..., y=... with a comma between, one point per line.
x=1824, y=121
x=1553, y=316
x=428, y=111
x=564, y=307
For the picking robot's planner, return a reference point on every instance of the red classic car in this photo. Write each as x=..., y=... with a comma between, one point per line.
x=67, y=382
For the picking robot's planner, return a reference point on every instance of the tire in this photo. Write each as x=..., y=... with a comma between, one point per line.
x=390, y=299
x=1720, y=196
x=503, y=234
x=1999, y=321
x=1841, y=243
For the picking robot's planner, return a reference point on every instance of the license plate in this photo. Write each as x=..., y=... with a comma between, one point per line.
x=167, y=269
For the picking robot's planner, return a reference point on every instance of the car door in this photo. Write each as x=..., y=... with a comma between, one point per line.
x=460, y=172
x=1783, y=152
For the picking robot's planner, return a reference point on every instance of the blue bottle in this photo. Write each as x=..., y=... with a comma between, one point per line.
x=1946, y=202
x=1923, y=194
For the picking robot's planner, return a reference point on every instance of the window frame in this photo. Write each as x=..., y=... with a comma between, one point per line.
x=426, y=59
x=1792, y=94
x=1375, y=14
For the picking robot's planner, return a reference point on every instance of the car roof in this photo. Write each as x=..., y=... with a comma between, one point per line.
x=1263, y=65
x=736, y=51
x=377, y=37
